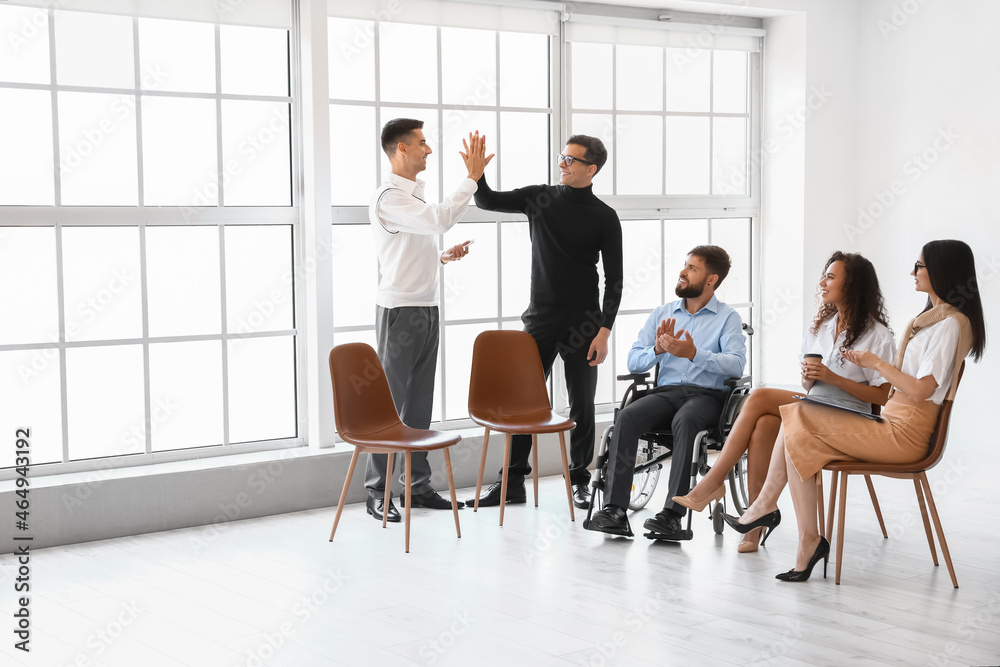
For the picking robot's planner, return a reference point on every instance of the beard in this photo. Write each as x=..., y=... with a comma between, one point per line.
x=691, y=291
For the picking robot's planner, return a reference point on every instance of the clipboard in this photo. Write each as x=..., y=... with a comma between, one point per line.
x=816, y=401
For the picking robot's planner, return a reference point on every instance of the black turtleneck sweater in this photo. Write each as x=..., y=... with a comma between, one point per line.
x=569, y=227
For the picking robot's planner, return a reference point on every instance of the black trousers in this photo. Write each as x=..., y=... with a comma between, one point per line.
x=567, y=332
x=685, y=410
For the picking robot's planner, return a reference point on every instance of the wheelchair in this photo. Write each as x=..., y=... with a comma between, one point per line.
x=655, y=447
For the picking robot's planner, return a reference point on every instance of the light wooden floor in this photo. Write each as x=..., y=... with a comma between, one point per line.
x=539, y=591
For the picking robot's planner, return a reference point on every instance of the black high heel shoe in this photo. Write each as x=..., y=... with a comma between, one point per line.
x=769, y=521
x=822, y=551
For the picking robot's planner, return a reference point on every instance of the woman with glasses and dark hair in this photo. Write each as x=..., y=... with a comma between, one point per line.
x=950, y=328
x=851, y=316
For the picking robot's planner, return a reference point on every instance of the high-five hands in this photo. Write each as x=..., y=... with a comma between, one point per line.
x=680, y=344
x=474, y=156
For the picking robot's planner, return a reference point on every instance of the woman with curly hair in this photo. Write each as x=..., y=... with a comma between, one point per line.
x=923, y=374
x=851, y=316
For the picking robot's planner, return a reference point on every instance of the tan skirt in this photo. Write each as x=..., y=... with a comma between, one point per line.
x=816, y=435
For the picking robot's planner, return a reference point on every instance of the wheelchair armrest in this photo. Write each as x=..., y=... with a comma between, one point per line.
x=734, y=383
x=738, y=388
x=634, y=377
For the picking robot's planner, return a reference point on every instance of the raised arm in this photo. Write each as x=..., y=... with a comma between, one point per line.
x=474, y=155
x=518, y=200
x=400, y=212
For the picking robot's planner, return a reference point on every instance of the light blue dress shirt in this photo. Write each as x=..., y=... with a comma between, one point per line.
x=717, y=331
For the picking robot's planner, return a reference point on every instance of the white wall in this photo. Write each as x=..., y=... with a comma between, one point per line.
x=929, y=92
x=901, y=75
x=810, y=120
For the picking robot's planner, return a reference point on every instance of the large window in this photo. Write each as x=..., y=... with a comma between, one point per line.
x=146, y=247
x=151, y=251
x=676, y=108
x=457, y=80
x=676, y=113
x=677, y=119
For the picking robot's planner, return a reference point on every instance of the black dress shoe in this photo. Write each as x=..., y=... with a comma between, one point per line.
x=581, y=496
x=431, y=500
x=515, y=495
x=611, y=520
x=666, y=526
x=374, y=506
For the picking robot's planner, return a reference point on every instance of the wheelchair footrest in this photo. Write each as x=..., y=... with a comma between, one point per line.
x=687, y=534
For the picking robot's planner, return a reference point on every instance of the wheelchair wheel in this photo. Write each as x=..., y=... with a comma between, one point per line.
x=718, y=523
x=643, y=483
x=738, y=489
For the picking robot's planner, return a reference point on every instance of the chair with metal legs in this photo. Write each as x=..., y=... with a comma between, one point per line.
x=366, y=417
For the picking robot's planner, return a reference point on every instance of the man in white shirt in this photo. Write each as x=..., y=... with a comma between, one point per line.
x=406, y=311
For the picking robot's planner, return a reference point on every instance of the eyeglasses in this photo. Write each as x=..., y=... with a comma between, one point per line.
x=917, y=266
x=569, y=160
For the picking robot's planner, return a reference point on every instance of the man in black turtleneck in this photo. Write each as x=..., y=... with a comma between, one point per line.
x=569, y=228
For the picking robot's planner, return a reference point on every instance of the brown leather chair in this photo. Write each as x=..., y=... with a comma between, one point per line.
x=366, y=417
x=876, y=410
x=507, y=393
x=915, y=471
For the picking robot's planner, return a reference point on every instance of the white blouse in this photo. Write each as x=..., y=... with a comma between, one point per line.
x=932, y=352
x=877, y=339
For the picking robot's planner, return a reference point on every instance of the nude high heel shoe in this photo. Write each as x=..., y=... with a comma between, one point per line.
x=749, y=544
x=684, y=501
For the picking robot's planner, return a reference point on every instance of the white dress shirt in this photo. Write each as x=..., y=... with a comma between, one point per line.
x=932, y=352
x=877, y=339
x=405, y=229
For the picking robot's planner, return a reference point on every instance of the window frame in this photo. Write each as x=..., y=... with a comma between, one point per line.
x=629, y=207
x=358, y=215
x=142, y=217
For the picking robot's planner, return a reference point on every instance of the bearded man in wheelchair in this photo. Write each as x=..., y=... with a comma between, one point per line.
x=698, y=343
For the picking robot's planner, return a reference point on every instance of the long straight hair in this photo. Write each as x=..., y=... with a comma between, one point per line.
x=951, y=268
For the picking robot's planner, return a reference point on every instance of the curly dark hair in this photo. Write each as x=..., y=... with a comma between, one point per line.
x=863, y=301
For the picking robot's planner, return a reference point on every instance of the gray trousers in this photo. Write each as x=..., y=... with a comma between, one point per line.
x=407, y=340
x=685, y=410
